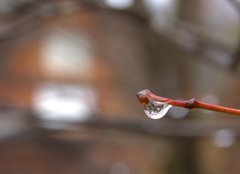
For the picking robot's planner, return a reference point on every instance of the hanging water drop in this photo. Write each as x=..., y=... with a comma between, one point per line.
x=153, y=109
x=156, y=110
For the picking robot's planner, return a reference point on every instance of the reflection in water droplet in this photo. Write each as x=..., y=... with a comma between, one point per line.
x=156, y=110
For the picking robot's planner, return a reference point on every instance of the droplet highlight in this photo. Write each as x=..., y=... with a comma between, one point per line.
x=156, y=110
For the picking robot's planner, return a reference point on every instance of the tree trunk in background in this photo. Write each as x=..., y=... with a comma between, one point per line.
x=183, y=157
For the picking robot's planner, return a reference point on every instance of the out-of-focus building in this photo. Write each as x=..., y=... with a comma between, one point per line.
x=67, y=87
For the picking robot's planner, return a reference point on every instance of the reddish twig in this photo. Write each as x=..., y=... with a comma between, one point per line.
x=146, y=96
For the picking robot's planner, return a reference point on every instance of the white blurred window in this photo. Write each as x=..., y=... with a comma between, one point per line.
x=162, y=12
x=66, y=54
x=65, y=103
x=119, y=4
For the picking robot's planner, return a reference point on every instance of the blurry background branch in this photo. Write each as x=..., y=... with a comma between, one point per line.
x=168, y=128
x=188, y=128
x=24, y=17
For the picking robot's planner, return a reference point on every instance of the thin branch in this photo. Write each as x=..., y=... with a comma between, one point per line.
x=147, y=96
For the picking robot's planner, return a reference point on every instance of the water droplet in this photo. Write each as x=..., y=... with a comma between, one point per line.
x=156, y=110
x=153, y=109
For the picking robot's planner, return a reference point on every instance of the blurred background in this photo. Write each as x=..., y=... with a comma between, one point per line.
x=69, y=71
